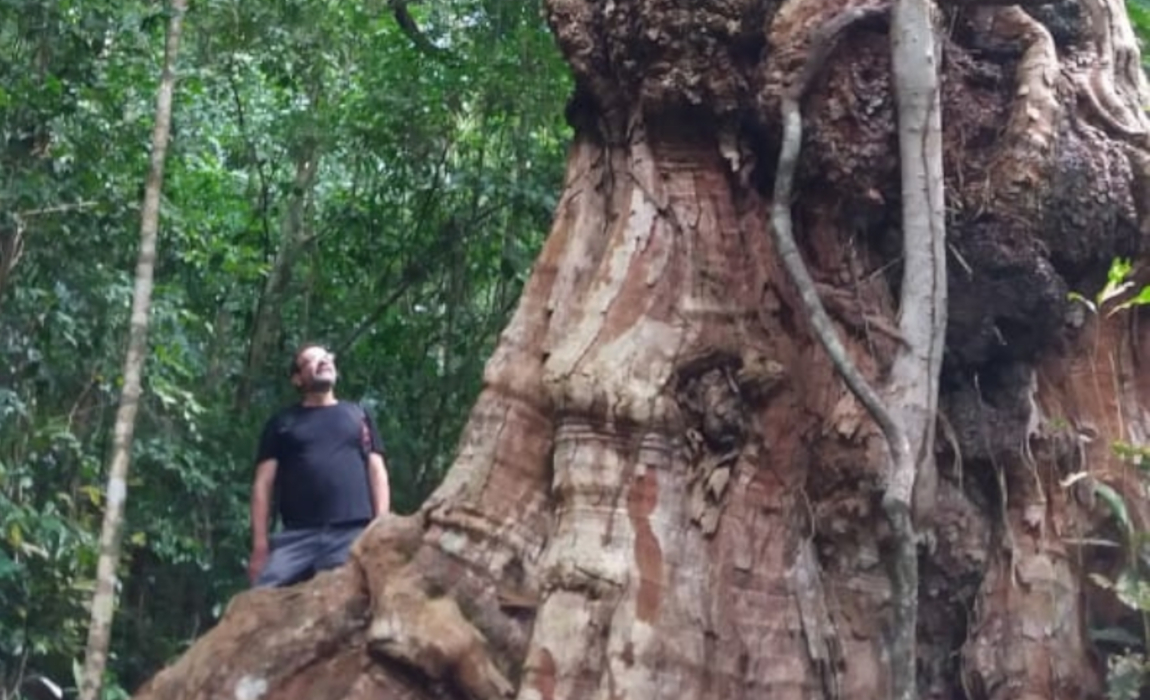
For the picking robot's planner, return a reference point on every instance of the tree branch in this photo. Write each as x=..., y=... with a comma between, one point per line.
x=413, y=273
x=12, y=244
x=253, y=157
x=408, y=26
x=56, y=209
x=408, y=278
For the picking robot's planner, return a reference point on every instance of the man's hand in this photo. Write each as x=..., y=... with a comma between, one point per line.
x=261, y=500
x=257, y=562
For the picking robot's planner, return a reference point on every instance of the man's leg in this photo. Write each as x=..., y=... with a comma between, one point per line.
x=292, y=558
x=337, y=543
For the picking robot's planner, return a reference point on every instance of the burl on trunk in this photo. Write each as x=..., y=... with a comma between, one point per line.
x=664, y=490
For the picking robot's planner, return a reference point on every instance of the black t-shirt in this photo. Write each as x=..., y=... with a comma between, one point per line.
x=321, y=468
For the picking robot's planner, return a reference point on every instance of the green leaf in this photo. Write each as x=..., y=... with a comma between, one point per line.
x=15, y=535
x=1139, y=15
x=1115, y=502
x=1120, y=268
x=1116, y=283
x=1133, y=591
x=1141, y=299
x=8, y=567
x=1075, y=296
x=1138, y=455
x=1124, y=676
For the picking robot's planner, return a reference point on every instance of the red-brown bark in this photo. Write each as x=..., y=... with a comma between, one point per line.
x=664, y=489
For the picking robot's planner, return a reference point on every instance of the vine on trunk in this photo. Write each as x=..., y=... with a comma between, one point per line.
x=907, y=423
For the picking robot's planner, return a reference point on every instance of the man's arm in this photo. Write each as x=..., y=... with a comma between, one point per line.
x=260, y=512
x=380, y=490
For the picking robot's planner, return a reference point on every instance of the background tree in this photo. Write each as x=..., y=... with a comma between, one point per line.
x=116, y=494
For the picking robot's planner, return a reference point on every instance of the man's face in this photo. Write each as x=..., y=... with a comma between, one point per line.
x=315, y=370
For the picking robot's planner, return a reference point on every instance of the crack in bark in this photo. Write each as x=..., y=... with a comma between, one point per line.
x=716, y=392
x=822, y=637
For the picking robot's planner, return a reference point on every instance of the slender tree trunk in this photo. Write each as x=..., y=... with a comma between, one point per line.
x=295, y=233
x=11, y=250
x=104, y=598
x=666, y=489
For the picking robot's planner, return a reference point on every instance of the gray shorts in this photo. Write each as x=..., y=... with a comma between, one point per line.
x=298, y=554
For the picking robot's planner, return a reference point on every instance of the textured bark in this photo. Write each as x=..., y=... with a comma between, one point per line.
x=665, y=490
x=111, y=533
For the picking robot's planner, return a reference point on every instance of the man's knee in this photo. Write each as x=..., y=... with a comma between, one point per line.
x=277, y=575
x=337, y=549
x=292, y=559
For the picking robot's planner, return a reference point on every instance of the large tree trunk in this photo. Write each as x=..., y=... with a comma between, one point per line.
x=665, y=490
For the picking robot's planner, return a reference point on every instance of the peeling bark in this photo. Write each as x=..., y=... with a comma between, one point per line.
x=665, y=489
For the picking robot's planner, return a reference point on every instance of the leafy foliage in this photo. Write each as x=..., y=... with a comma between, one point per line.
x=1117, y=288
x=1139, y=13
x=1127, y=670
x=436, y=167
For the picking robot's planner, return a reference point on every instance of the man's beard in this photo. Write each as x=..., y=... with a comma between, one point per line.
x=319, y=385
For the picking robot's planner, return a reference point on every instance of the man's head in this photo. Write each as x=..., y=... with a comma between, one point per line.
x=313, y=369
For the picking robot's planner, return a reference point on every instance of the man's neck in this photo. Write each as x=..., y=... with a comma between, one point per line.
x=326, y=398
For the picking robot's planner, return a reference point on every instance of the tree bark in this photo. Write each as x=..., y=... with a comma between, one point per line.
x=104, y=597
x=665, y=489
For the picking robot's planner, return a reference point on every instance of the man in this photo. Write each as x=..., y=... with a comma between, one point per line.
x=324, y=462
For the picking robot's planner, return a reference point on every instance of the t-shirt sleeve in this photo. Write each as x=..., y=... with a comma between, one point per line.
x=269, y=444
x=377, y=445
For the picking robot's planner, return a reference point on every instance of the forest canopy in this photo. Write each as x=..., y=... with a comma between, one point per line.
x=438, y=136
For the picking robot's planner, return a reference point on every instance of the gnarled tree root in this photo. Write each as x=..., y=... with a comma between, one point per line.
x=1030, y=134
x=412, y=625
